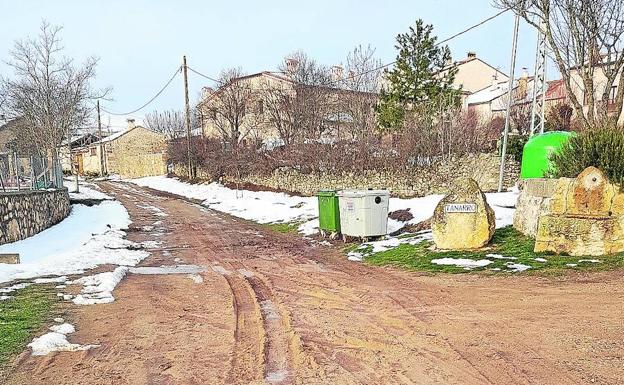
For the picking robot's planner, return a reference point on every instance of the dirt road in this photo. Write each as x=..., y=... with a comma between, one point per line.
x=278, y=309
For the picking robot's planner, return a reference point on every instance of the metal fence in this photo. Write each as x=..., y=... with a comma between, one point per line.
x=29, y=172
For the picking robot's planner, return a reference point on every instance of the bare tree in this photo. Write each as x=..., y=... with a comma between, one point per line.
x=310, y=103
x=228, y=108
x=282, y=110
x=171, y=122
x=363, y=70
x=362, y=83
x=585, y=36
x=49, y=93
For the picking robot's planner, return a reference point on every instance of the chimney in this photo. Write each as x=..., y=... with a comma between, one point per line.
x=131, y=123
x=336, y=72
x=523, y=84
x=291, y=64
x=472, y=55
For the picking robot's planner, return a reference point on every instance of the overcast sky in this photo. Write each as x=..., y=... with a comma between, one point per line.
x=141, y=42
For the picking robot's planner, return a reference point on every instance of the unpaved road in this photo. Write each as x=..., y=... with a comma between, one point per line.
x=275, y=308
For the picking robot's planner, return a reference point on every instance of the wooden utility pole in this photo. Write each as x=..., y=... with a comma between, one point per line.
x=100, y=140
x=187, y=121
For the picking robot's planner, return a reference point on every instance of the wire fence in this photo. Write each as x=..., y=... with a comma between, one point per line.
x=23, y=173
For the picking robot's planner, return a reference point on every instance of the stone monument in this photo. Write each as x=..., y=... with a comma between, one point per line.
x=586, y=217
x=463, y=219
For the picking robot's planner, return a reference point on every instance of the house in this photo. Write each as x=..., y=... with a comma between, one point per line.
x=473, y=74
x=81, y=139
x=491, y=101
x=270, y=89
x=133, y=153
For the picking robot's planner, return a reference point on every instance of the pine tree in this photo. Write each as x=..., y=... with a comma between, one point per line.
x=419, y=75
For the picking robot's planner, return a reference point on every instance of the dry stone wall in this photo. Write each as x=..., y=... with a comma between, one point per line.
x=437, y=179
x=26, y=213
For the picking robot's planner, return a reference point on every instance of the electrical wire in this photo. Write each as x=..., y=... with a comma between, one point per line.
x=177, y=71
x=482, y=22
x=202, y=75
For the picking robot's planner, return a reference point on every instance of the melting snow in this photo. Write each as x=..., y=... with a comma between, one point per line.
x=56, y=341
x=462, y=262
x=280, y=207
x=517, y=267
x=498, y=256
x=99, y=288
x=89, y=237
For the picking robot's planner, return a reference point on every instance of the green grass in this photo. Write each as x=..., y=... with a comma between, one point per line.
x=21, y=316
x=284, y=227
x=507, y=242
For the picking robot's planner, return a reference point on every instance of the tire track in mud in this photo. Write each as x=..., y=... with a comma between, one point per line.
x=262, y=334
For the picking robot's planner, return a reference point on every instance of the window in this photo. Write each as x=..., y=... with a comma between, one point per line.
x=243, y=110
x=612, y=94
x=92, y=151
x=611, y=103
x=261, y=106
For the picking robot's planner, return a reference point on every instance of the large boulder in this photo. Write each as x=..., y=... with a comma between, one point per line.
x=532, y=203
x=463, y=219
x=586, y=217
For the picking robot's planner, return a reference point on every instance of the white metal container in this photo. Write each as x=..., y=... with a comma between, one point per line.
x=363, y=213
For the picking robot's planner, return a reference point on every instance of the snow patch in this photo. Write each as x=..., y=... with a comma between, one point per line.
x=89, y=237
x=517, y=267
x=498, y=256
x=56, y=341
x=99, y=288
x=462, y=262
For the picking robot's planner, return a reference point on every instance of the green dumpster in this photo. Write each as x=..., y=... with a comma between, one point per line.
x=329, y=213
x=536, y=153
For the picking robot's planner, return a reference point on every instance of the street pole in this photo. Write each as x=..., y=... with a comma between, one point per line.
x=187, y=113
x=100, y=140
x=509, y=102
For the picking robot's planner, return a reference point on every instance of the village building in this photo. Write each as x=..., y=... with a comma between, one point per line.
x=133, y=153
x=474, y=74
x=492, y=100
x=257, y=122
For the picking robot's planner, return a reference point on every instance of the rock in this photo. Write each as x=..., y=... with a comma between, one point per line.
x=586, y=217
x=533, y=202
x=463, y=219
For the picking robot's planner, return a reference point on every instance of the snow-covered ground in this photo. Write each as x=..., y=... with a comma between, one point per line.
x=87, y=238
x=85, y=190
x=259, y=206
x=272, y=207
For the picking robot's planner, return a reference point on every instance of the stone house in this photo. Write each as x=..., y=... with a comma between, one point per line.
x=257, y=125
x=133, y=153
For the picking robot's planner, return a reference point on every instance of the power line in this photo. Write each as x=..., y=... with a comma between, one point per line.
x=177, y=71
x=482, y=22
x=205, y=76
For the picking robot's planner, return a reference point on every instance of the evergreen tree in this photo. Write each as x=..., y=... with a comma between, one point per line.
x=419, y=75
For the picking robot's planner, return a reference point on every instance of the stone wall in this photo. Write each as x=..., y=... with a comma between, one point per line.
x=26, y=213
x=483, y=168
